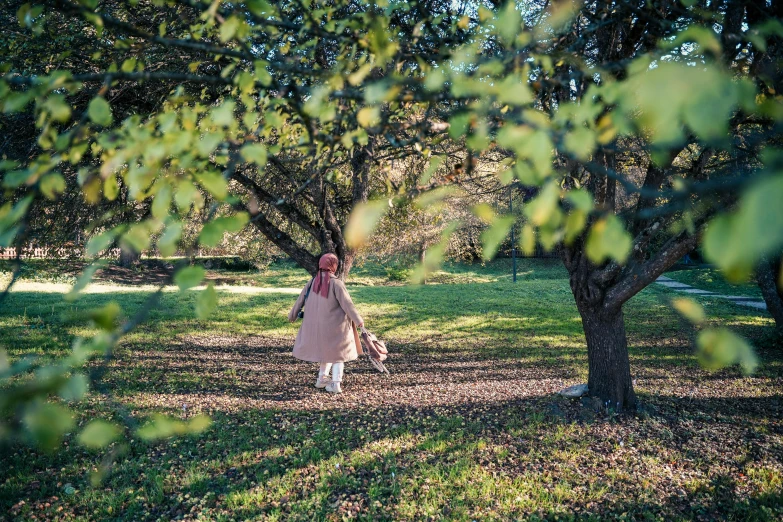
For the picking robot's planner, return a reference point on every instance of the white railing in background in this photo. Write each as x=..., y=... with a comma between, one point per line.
x=52, y=253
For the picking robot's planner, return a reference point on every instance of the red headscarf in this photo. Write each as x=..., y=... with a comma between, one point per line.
x=326, y=266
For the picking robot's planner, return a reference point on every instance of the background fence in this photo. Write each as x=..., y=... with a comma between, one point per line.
x=52, y=253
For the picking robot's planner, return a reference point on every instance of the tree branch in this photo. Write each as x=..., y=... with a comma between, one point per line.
x=644, y=274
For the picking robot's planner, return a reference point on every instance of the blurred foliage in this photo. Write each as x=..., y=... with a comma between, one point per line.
x=177, y=124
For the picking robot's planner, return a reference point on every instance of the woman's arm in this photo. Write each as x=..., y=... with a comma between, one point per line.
x=298, y=305
x=345, y=302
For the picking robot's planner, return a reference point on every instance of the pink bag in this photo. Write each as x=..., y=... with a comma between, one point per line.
x=375, y=349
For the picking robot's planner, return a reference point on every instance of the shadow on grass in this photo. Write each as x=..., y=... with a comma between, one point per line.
x=454, y=462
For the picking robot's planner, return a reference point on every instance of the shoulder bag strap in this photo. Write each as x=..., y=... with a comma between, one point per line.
x=307, y=294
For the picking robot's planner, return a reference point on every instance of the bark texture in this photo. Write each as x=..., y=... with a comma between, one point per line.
x=306, y=218
x=607, y=356
x=768, y=277
x=128, y=258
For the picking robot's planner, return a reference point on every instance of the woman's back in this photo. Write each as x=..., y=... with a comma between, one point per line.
x=328, y=331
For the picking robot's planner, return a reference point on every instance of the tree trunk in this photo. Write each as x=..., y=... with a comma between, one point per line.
x=607, y=358
x=128, y=258
x=767, y=278
x=346, y=263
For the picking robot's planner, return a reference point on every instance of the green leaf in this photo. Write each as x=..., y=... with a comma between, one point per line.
x=99, y=112
x=208, y=143
x=514, y=91
x=580, y=142
x=434, y=80
x=575, y=223
x=369, y=116
x=236, y=222
x=162, y=201
x=51, y=185
x=17, y=211
x=363, y=220
x=83, y=280
x=662, y=98
x=434, y=196
x=98, y=434
x=580, y=199
x=99, y=243
x=544, y=206
x=549, y=235
x=229, y=28
x=185, y=195
x=608, y=239
x=212, y=233
x=260, y=7
x=509, y=23
x=484, y=212
x=5, y=364
x=380, y=92
x=74, y=388
x=262, y=73
x=214, y=183
x=23, y=15
x=199, y=424
x=111, y=189
x=718, y=348
x=492, y=237
x=58, y=108
x=189, y=276
x=533, y=145
x=47, y=423
x=704, y=36
x=223, y=114
x=737, y=241
x=128, y=65
x=527, y=240
x=206, y=302
x=689, y=309
x=459, y=124
x=137, y=238
x=17, y=178
x=254, y=153
x=167, y=244
x=432, y=168
x=478, y=139
x=17, y=101
x=162, y=426
x=106, y=318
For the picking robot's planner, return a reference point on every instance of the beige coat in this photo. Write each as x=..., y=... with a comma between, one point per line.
x=328, y=332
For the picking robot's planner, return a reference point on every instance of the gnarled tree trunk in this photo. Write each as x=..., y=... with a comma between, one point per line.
x=768, y=276
x=600, y=293
x=128, y=258
x=314, y=209
x=607, y=358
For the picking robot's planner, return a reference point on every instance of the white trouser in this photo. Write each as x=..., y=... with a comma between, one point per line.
x=336, y=368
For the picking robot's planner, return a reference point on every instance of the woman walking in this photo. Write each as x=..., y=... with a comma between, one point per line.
x=328, y=333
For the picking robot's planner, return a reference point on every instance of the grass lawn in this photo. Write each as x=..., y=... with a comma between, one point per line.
x=465, y=428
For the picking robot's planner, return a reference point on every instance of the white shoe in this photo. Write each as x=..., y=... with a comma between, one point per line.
x=334, y=387
x=322, y=381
